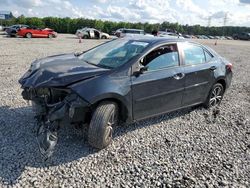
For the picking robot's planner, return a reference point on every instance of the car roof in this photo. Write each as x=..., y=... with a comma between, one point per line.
x=89, y=28
x=132, y=29
x=152, y=39
x=18, y=25
x=161, y=40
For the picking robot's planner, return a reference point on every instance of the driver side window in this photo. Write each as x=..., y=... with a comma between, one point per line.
x=163, y=57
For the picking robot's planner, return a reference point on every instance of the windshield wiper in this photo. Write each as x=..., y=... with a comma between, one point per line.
x=104, y=66
x=78, y=53
x=98, y=65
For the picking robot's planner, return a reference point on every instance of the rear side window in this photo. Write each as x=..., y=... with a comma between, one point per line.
x=194, y=54
x=163, y=57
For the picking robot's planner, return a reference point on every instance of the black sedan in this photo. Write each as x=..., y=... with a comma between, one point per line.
x=12, y=30
x=126, y=79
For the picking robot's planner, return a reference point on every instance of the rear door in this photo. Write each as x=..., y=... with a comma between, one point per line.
x=199, y=66
x=160, y=88
x=41, y=33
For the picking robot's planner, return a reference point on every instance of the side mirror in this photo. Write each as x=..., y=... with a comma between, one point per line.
x=143, y=69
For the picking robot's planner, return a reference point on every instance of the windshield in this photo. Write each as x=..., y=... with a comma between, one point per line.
x=114, y=54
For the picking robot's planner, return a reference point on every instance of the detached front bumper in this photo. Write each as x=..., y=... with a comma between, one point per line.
x=55, y=104
x=50, y=110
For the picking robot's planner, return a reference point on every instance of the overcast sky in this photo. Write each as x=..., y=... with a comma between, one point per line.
x=182, y=11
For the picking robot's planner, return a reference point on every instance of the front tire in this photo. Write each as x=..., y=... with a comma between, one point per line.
x=28, y=35
x=215, y=96
x=102, y=123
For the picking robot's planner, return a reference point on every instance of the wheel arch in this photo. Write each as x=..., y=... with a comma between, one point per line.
x=222, y=81
x=123, y=107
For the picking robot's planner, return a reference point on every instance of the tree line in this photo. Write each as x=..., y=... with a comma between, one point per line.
x=70, y=25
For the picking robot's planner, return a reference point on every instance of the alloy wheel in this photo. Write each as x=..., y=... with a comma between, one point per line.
x=109, y=127
x=216, y=96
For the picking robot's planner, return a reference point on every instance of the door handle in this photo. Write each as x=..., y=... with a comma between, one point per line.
x=213, y=68
x=179, y=76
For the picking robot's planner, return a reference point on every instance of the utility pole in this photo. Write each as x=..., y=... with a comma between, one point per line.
x=209, y=21
x=225, y=22
x=225, y=19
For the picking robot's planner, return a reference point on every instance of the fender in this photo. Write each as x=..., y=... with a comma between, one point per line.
x=108, y=87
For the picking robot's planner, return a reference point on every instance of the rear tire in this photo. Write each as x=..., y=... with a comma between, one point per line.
x=85, y=37
x=104, y=37
x=101, y=126
x=215, y=96
x=28, y=35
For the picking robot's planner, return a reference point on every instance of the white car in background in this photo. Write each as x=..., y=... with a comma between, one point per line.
x=169, y=35
x=91, y=33
x=123, y=32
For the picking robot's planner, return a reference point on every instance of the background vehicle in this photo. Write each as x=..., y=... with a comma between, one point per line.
x=91, y=33
x=12, y=30
x=36, y=33
x=123, y=32
x=242, y=36
x=187, y=36
x=229, y=38
x=169, y=35
x=123, y=80
x=204, y=37
x=211, y=37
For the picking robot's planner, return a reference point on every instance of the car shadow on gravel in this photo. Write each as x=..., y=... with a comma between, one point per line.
x=19, y=149
x=72, y=37
x=123, y=129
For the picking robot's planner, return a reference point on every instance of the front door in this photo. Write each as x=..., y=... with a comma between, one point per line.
x=160, y=88
x=91, y=34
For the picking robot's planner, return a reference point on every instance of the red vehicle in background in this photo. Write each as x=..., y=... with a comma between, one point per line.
x=37, y=33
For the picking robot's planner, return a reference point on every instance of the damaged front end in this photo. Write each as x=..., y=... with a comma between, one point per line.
x=52, y=106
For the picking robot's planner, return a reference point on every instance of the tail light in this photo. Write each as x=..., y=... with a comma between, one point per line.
x=229, y=66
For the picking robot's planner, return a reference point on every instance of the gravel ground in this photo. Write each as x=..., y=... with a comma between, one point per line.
x=187, y=148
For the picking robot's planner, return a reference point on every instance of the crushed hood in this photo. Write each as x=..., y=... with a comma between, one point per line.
x=59, y=70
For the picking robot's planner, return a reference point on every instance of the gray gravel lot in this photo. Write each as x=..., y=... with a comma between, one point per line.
x=187, y=148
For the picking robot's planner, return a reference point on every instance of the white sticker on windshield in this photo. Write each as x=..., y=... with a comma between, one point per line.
x=140, y=43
